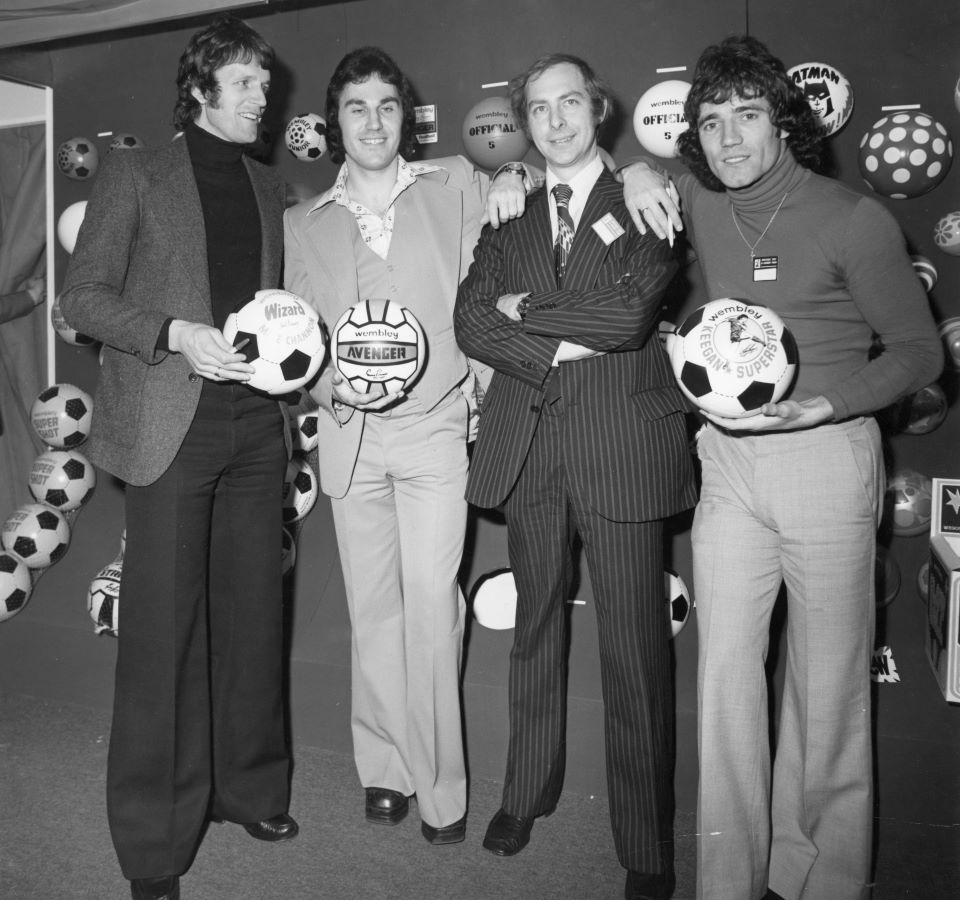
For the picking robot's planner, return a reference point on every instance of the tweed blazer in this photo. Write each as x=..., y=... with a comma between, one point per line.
x=624, y=428
x=439, y=217
x=141, y=258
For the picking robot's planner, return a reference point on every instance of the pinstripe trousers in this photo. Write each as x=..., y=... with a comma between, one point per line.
x=625, y=561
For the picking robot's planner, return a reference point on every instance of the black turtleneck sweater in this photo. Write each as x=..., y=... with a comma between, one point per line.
x=231, y=218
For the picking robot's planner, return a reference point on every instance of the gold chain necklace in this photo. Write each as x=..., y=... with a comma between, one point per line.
x=733, y=212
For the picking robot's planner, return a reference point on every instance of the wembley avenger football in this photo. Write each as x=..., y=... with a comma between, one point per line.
x=378, y=346
x=730, y=357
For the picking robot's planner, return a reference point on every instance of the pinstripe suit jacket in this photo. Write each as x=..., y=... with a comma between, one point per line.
x=624, y=412
x=141, y=258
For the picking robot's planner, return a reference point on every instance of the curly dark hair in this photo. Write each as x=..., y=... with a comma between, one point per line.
x=226, y=40
x=743, y=66
x=601, y=99
x=355, y=68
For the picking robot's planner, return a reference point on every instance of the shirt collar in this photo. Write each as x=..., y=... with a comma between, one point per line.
x=582, y=183
x=407, y=174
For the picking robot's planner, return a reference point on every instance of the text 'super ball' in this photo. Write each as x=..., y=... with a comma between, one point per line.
x=378, y=346
x=284, y=340
x=730, y=357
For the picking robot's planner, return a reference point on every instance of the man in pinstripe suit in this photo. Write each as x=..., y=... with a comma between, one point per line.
x=581, y=430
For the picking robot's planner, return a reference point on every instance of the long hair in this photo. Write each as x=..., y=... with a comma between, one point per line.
x=356, y=67
x=601, y=99
x=744, y=67
x=226, y=40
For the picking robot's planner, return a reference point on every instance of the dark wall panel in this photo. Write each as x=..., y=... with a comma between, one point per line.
x=125, y=82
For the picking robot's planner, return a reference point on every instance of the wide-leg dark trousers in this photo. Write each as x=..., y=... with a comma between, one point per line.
x=198, y=717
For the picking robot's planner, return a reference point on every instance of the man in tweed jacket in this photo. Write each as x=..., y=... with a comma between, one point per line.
x=172, y=240
x=581, y=431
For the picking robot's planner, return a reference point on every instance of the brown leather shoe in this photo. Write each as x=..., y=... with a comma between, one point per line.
x=277, y=828
x=447, y=834
x=507, y=835
x=166, y=887
x=385, y=807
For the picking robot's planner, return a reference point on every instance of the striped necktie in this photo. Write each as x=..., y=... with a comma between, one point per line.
x=561, y=248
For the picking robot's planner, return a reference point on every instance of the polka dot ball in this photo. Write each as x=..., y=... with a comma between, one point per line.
x=905, y=155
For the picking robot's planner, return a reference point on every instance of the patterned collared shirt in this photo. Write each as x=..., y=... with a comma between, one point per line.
x=375, y=230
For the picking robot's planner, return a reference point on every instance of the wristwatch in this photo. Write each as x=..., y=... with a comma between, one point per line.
x=514, y=168
x=522, y=307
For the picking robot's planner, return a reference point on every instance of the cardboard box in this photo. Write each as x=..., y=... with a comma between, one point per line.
x=942, y=638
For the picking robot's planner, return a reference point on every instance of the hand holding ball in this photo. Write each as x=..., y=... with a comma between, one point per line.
x=281, y=337
x=378, y=347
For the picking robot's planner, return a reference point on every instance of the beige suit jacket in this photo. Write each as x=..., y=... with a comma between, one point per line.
x=444, y=209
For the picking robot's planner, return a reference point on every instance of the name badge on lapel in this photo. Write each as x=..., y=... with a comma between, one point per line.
x=608, y=229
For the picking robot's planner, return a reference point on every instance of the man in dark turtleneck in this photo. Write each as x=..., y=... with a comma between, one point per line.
x=792, y=495
x=172, y=241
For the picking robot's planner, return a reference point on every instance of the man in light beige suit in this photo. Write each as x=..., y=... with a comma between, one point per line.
x=395, y=467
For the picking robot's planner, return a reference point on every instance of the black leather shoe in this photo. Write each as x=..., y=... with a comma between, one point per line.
x=507, y=835
x=167, y=887
x=277, y=828
x=448, y=834
x=386, y=807
x=644, y=886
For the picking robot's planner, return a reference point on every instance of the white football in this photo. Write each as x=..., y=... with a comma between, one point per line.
x=730, y=357
x=61, y=415
x=678, y=601
x=299, y=489
x=378, y=346
x=63, y=479
x=281, y=337
x=38, y=534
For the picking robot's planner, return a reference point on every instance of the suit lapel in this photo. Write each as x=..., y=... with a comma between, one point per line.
x=271, y=224
x=437, y=214
x=536, y=246
x=330, y=230
x=588, y=251
x=177, y=203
